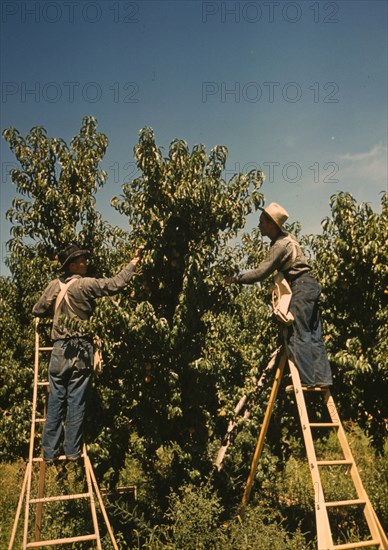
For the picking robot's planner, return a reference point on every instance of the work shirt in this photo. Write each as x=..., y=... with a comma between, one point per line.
x=278, y=259
x=81, y=294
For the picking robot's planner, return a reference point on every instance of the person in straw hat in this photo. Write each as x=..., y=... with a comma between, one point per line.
x=71, y=362
x=305, y=342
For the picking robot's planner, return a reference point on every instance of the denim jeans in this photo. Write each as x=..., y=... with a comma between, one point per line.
x=70, y=374
x=305, y=343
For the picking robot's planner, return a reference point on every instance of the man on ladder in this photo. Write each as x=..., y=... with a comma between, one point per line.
x=310, y=371
x=71, y=362
x=305, y=344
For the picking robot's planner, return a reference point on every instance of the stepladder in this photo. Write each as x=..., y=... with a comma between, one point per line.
x=61, y=503
x=326, y=508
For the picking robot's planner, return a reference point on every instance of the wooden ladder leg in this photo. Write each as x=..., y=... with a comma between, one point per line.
x=264, y=429
x=39, y=506
x=42, y=477
x=32, y=435
x=18, y=510
x=101, y=503
x=324, y=536
x=27, y=505
x=91, y=497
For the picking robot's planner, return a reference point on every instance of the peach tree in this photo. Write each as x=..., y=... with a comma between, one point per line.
x=55, y=204
x=350, y=261
x=167, y=381
x=161, y=388
x=180, y=349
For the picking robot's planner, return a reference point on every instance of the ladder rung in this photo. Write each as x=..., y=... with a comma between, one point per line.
x=45, y=349
x=40, y=459
x=360, y=544
x=346, y=502
x=60, y=497
x=39, y=420
x=325, y=388
x=43, y=383
x=60, y=541
x=120, y=491
x=324, y=425
x=335, y=462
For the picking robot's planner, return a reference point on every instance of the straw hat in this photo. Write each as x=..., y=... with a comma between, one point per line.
x=277, y=214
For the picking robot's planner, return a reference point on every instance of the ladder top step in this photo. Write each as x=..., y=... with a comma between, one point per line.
x=60, y=457
x=335, y=462
x=360, y=544
x=346, y=502
x=292, y=388
x=40, y=459
x=40, y=543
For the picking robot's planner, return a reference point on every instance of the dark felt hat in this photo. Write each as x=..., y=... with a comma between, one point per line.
x=71, y=252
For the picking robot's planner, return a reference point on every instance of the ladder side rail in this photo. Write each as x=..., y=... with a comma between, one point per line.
x=42, y=465
x=324, y=536
x=32, y=434
x=374, y=525
x=91, y=496
x=282, y=357
x=34, y=392
x=42, y=473
x=39, y=506
x=101, y=503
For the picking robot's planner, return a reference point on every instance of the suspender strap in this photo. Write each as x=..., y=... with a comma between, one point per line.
x=63, y=294
x=294, y=253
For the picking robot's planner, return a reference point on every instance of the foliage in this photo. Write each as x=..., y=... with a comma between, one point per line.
x=351, y=260
x=194, y=514
x=15, y=376
x=183, y=212
x=180, y=348
x=60, y=518
x=61, y=181
x=55, y=204
x=11, y=479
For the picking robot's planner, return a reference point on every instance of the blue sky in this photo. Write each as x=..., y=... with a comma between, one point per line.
x=296, y=88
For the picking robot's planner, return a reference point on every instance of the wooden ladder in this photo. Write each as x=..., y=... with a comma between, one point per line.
x=324, y=536
x=92, y=489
